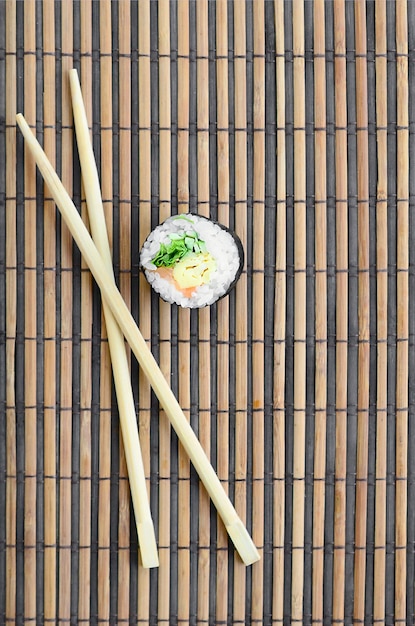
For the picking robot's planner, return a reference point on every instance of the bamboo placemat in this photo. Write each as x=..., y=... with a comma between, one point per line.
x=291, y=123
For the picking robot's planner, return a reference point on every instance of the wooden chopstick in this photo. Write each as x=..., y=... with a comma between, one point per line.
x=234, y=525
x=121, y=372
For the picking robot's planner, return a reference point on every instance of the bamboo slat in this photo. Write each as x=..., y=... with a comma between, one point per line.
x=402, y=299
x=279, y=324
x=223, y=373
x=105, y=453
x=30, y=328
x=342, y=244
x=49, y=299
x=66, y=306
x=363, y=311
x=241, y=321
x=165, y=209
x=320, y=392
x=11, y=319
x=300, y=304
x=183, y=201
x=204, y=383
x=258, y=299
x=381, y=315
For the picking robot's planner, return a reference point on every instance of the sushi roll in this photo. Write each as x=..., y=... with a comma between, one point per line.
x=191, y=261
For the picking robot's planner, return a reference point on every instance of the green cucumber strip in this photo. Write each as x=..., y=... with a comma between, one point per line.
x=179, y=246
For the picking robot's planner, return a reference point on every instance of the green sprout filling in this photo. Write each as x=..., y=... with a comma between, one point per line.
x=180, y=245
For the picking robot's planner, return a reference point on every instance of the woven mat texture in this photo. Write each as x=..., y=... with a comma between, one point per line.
x=293, y=124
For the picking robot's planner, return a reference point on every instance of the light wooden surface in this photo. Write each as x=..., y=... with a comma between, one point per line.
x=291, y=123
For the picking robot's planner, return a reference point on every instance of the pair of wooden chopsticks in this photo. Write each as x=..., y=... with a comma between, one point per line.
x=120, y=322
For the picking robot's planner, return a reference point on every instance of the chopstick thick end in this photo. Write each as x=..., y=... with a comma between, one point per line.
x=148, y=546
x=243, y=542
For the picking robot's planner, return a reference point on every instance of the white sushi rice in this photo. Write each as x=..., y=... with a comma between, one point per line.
x=219, y=243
